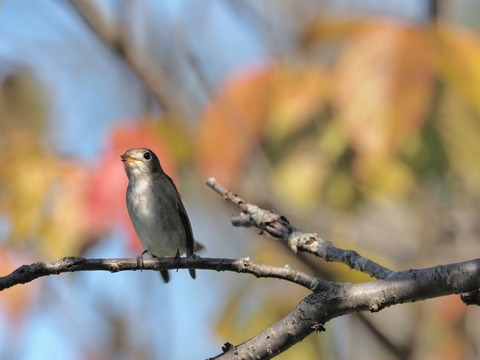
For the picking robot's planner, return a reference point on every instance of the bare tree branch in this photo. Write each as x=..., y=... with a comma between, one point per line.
x=393, y=288
x=397, y=349
x=27, y=273
x=312, y=313
x=328, y=299
x=115, y=39
x=471, y=298
x=278, y=227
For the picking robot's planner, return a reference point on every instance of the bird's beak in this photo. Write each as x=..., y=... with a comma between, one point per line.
x=128, y=159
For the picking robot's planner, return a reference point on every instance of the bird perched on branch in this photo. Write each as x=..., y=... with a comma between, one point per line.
x=156, y=209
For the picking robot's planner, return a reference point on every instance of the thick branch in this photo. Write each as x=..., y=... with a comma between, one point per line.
x=27, y=273
x=315, y=310
x=278, y=227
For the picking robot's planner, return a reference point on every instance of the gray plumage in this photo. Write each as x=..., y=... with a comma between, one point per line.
x=155, y=207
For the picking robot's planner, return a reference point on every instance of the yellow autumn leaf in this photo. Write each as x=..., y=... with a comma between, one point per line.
x=387, y=176
x=459, y=129
x=340, y=192
x=458, y=58
x=63, y=231
x=322, y=30
x=332, y=141
x=26, y=178
x=300, y=177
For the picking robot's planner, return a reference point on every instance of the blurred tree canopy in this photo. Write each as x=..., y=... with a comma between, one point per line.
x=365, y=130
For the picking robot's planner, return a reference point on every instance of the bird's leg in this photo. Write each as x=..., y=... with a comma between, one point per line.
x=177, y=257
x=140, y=259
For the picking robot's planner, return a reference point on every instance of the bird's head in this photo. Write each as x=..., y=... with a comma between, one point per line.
x=140, y=162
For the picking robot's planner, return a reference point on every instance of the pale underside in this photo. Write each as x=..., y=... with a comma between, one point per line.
x=160, y=233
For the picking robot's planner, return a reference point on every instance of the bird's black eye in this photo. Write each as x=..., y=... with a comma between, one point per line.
x=147, y=155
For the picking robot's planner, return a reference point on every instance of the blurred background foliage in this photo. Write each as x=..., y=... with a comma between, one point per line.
x=360, y=122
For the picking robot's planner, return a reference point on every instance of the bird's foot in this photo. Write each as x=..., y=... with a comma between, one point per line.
x=140, y=260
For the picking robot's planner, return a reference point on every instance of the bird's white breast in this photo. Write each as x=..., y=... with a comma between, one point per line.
x=158, y=227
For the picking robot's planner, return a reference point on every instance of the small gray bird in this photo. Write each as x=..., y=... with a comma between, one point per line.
x=156, y=209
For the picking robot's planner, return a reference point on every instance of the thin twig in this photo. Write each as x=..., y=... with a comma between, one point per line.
x=152, y=78
x=278, y=227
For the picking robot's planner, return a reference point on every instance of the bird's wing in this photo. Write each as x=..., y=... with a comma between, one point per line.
x=185, y=220
x=186, y=225
x=188, y=232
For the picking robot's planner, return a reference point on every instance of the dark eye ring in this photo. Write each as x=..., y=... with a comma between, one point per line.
x=147, y=155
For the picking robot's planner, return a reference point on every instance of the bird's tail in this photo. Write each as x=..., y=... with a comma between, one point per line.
x=198, y=246
x=165, y=276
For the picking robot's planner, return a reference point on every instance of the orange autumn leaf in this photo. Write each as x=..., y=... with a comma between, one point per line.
x=452, y=308
x=384, y=81
x=232, y=123
x=17, y=299
x=298, y=94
